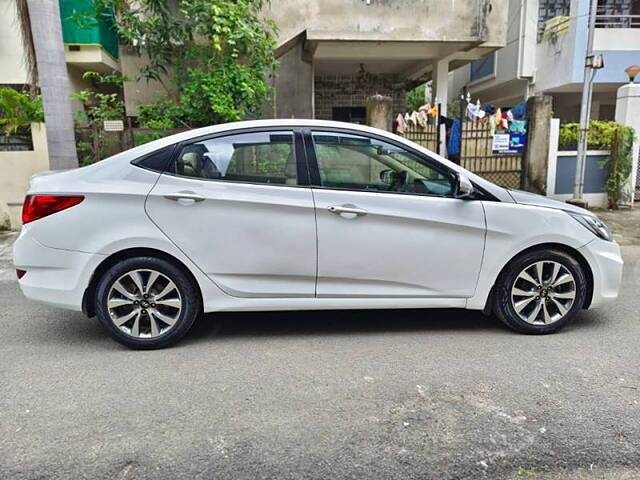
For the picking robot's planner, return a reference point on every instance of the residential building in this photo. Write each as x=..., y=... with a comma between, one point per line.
x=545, y=53
x=335, y=53
x=87, y=47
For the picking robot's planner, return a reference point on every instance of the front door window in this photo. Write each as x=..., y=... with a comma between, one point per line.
x=357, y=162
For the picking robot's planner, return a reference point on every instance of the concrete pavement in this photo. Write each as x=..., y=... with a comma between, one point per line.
x=367, y=394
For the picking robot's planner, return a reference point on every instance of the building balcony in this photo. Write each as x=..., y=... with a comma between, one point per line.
x=402, y=37
x=617, y=26
x=88, y=46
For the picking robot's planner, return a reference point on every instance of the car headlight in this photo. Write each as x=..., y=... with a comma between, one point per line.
x=593, y=224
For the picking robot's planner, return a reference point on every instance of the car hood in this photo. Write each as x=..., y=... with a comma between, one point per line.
x=528, y=198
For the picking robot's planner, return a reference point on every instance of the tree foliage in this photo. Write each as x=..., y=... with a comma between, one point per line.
x=18, y=110
x=620, y=164
x=599, y=137
x=415, y=98
x=103, y=101
x=217, y=54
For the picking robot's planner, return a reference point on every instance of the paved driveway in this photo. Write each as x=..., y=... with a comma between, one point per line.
x=326, y=395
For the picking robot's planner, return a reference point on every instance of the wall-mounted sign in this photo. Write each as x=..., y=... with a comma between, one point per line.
x=500, y=142
x=508, y=142
x=113, y=125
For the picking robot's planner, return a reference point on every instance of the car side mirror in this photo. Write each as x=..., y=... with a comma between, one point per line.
x=465, y=187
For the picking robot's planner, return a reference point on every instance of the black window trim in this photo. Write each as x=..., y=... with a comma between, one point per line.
x=298, y=150
x=314, y=169
x=138, y=160
x=306, y=162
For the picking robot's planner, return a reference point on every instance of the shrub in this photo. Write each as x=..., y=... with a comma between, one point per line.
x=18, y=110
x=618, y=140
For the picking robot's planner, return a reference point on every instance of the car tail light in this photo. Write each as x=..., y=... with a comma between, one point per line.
x=20, y=273
x=38, y=206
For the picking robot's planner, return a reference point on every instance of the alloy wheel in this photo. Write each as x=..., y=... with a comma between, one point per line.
x=543, y=292
x=144, y=303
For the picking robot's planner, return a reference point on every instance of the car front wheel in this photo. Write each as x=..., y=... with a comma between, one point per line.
x=540, y=291
x=146, y=302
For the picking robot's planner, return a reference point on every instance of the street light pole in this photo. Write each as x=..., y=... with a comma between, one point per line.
x=585, y=109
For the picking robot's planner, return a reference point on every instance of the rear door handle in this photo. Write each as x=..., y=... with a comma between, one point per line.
x=194, y=197
x=347, y=209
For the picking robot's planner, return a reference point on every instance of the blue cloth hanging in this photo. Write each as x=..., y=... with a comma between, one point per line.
x=520, y=111
x=453, y=148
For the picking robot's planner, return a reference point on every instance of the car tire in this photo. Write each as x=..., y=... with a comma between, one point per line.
x=539, y=301
x=147, y=303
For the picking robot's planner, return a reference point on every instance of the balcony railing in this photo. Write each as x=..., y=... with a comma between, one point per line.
x=100, y=33
x=617, y=21
x=618, y=14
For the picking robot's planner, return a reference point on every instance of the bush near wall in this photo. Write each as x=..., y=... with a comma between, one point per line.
x=599, y=137
x=146, y=135
x=18, y=110
x=611, y=136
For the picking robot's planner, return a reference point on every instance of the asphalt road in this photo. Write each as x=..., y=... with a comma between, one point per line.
x=323, y=395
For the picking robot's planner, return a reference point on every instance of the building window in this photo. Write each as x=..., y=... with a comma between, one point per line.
x=618, y=14
x=484, y=67
x=350, y=114
x=548, y=9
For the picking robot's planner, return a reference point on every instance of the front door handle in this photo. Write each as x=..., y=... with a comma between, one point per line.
x=347, y=210
x=185, y=197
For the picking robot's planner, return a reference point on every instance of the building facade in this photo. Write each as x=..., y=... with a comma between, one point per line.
x=545, y=53
x=336, y=53
x=333, y=53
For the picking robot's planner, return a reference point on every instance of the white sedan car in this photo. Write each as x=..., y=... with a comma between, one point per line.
x=295, y=215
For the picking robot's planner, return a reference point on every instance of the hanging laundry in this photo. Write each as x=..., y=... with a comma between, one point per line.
x=492, y=124
x=518, y=126
x=425, y=108
x=504, y=124
x=422, y=118
x=453, y=147
x=509, y=116
x=407, y=118
x=520, y=111
x=474, y=112
x=434, y=111
x=490, y=109
x=401, y=124
x=414, y=118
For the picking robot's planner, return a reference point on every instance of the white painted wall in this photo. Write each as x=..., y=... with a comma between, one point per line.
x=621, y=39
x=16, y=168
x=554, y=59
x=628, y=113
x=516, y=59
x=11, y=50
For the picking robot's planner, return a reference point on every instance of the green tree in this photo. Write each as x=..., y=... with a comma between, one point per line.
x=415, y=98
x=218, y=54
x=98, y=106
x=18, y=110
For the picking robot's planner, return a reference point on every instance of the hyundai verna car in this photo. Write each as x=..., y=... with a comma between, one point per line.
x=295, y=215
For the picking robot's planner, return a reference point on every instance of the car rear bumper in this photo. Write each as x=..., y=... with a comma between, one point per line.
x=54, y=276
x=606, y=264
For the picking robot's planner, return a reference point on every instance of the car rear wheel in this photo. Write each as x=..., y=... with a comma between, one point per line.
x=146, y=302
x=540, y=291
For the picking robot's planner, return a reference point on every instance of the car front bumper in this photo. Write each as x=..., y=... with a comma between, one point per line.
x=606, y=264
x=54, y=276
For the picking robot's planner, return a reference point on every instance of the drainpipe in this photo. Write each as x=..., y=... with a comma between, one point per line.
x=523, y=47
